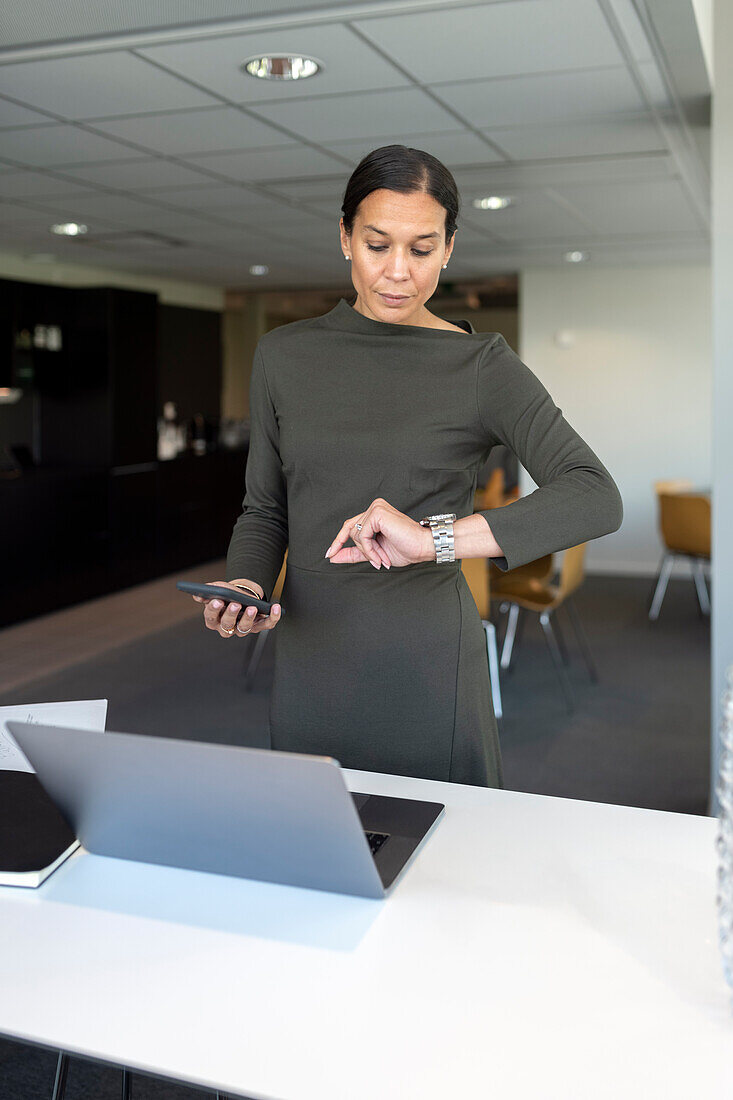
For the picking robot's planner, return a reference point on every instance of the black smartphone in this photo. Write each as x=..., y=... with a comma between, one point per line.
x=228, y=595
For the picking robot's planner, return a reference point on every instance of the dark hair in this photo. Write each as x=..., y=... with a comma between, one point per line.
x=398, y=168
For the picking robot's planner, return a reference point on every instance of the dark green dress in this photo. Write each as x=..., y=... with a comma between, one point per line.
x=387, y=670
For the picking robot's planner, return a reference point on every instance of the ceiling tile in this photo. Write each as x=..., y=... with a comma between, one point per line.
x=201, y=131
x=108, y=208
x=138, y=175
x=315, y=190
x=92, y=85
x=501, y=177
x=534, y=217
x=214, y=197
x=32, y=185
x=11, y=114
x=349, y=64
x=630, y=134
x=549, y=98
x=59, y=144
x=368, y=115
x=260, y=164
x=659, y=206
x=497, y=39
x=632, y=29
x=453, y=147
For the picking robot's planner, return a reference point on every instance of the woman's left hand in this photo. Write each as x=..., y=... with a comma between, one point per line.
x=387, y=537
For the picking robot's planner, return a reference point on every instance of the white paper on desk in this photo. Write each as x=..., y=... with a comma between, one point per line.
x=83, y=714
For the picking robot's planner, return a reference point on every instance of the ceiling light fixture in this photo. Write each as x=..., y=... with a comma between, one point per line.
x=259, y=269
x=493, y=202
x=69, y=229
x=286, y=67
x=577, y=257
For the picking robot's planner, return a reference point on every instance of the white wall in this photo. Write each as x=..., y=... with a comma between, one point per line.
x=635, y=382
x=172, y=292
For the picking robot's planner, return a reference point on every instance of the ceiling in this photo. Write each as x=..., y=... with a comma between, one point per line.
x=135, y=119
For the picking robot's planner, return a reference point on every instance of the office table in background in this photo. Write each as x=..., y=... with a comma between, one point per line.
x=536, y=947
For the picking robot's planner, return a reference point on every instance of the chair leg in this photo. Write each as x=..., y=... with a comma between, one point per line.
x=561, y=642
x=126, y=1081
x=557, y=659
x=662, y=579
x=698, y=574
x=493, y=667
x=511, y=630
x=254, y=659
x=62, y=1070
x=582, y=639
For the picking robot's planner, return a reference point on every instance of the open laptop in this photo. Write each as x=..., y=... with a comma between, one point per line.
x=276, y=816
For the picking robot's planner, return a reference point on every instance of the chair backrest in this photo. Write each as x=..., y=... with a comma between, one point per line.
x=492, y=495
x=684, y=520
x=674, y=485
x=572, y=571
x=476, y=572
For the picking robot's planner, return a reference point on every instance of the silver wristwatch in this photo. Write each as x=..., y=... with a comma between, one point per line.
x=441, y=528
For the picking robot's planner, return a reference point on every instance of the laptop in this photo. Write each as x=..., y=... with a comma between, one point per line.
x=275, y=816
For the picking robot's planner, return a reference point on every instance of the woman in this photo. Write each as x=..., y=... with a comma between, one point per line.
x=365, y=421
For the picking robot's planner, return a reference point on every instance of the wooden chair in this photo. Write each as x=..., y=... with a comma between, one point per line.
x=476, y=572
x=492, y=495
x=261, y=638
x=684, y=524
x=530, y=588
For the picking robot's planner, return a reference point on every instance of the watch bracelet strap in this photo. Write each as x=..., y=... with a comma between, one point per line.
x=444, y=541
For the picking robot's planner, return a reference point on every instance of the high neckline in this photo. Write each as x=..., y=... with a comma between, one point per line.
x=344, y=315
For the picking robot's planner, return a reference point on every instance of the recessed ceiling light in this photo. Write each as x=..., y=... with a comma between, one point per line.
x=259, y=269
x=281, y=67
x=577, y=257
x=69, y=229
x=493, y=202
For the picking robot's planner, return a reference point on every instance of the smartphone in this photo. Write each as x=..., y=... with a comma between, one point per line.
x=228, y=595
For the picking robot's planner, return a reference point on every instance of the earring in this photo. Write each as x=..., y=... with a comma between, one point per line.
x=444, y=266
x=347, y=257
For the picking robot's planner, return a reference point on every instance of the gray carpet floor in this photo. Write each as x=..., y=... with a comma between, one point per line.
x=638, y=737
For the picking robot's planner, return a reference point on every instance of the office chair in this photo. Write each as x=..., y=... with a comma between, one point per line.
x=476, y=572
x=529, y=588
x=62, y=1070
x=261, y=638
x=684, y=523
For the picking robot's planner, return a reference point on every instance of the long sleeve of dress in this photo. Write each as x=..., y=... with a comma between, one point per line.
x=260, y=535
x=576, y=499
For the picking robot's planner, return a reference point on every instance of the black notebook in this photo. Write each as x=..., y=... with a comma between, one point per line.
x=34, y=836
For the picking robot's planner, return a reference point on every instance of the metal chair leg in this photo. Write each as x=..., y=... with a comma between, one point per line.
x=557, y=659
x=581, y=636
x=62, y=1070
x=664, y=571
x=255, y=659
x=561, y=642
x=126, y=1081
x=698, y=574
x=511, y=630
x=493, y=667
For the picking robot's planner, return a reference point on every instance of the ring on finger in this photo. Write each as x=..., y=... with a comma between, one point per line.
x=358, y=526
x=242, y=633
x=229, y=632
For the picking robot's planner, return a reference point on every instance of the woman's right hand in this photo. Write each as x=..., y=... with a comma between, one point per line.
x=222, y=617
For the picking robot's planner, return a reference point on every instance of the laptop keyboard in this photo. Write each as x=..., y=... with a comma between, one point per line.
x=376, y=840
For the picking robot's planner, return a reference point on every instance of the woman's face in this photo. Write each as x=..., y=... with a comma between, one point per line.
x=397, y=248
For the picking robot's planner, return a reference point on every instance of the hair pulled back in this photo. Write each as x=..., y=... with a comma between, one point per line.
x=399, y=168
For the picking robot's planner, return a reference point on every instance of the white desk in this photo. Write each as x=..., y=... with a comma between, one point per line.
x=536, y=948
